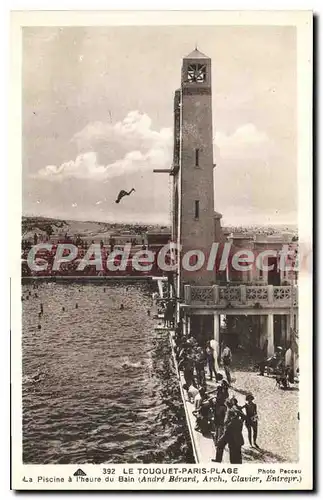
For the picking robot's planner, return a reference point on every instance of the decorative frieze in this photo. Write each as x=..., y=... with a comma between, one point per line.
x=240, y=295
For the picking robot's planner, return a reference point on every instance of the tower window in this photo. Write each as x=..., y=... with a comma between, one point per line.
x=196, y=73
x=197, y=209
x=197, y=151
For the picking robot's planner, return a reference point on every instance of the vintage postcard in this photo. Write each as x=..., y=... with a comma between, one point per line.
x=161, y=216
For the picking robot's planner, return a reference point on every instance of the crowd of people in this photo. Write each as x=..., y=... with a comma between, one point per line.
x=217, y=413
x=281, y=365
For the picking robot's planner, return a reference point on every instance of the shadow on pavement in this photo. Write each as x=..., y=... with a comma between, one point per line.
x=240, y=391
x=244, y=392
x=260, y=455
x=288, y=389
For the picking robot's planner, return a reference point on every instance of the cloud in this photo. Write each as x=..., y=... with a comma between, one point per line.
x=132, y=145
x=246, y=142
x=87, y=167
x=136, y=145
x=135, y=126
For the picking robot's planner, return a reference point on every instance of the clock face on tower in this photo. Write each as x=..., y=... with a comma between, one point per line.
x=196, y=73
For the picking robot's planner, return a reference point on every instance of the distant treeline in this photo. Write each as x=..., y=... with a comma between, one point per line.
x=48, y=225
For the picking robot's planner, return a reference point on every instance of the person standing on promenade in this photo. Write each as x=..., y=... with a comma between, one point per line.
x=289, y=364
x=192, y=392
x=219, y=408
x=225, y=389
x=237, y=440
x=251, y=419
x=232, y=434
x=200, y=397
x=181, y=347
x=186, y=365
x=226, y=358
x=210, y=360
x=216, y=353
x=199, y=356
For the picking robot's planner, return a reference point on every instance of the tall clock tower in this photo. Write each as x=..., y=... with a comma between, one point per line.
x=193, y=222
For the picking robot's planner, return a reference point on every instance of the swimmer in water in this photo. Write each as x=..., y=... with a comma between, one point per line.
x=121, y=307
x=41, y=309
x=148, y=312
x=76, y=305
x=126, y=363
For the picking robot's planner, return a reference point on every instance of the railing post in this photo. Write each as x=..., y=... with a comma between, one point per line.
x=287, y=328
x=185, y=324
x=270, y=294
x=270, y=334
x=187, y=294
x=216, y=295
x=243, y=294
x=216, y=329
x=295, y=296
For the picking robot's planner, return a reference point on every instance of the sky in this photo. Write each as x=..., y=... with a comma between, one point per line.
x=98, y=118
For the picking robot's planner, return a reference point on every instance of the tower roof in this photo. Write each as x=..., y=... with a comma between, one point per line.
x=196, y=54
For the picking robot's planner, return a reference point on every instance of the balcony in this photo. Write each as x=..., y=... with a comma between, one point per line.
x=241, y=296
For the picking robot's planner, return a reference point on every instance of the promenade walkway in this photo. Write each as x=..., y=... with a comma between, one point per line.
x=278, y=421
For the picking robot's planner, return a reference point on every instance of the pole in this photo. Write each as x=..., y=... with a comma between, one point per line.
x=292, y=325
x=292, y=311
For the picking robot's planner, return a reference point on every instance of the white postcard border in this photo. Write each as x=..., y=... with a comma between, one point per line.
x=303, y=22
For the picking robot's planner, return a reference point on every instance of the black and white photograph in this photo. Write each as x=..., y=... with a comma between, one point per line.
x=163, y=256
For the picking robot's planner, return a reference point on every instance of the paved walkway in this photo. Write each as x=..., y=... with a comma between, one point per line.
x=278, y=421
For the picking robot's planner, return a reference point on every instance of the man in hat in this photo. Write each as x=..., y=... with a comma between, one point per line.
x=232, y=433
x=199, y=362
x=226, y=361
x=222, y=395
x=210, y=359
x=186, y=364
x=251, y=419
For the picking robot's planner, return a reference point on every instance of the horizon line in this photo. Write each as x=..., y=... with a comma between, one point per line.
x=167, y=224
